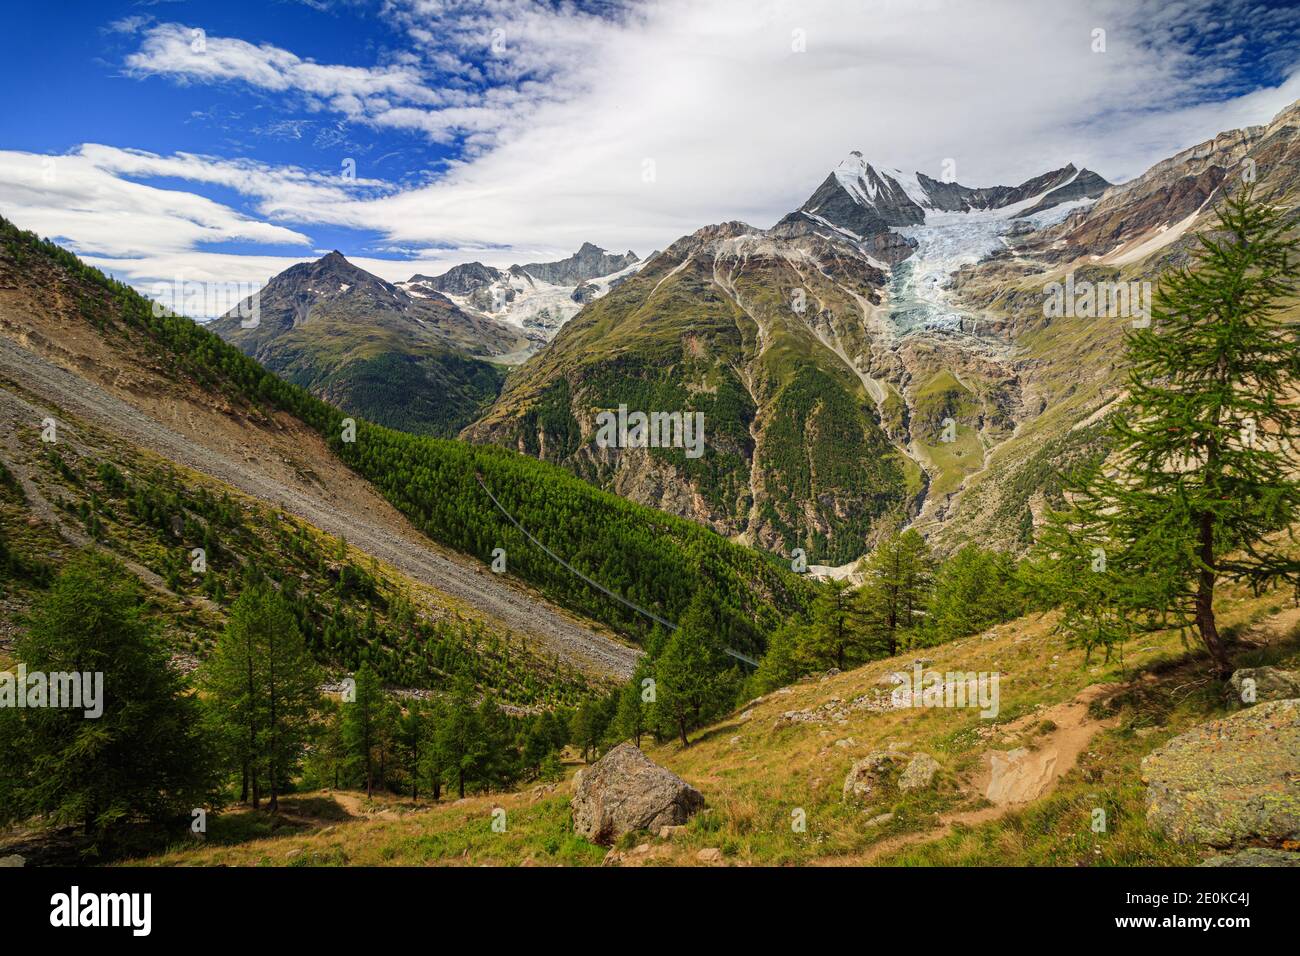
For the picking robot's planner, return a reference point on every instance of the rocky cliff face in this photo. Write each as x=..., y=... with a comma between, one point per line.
x=588, y=262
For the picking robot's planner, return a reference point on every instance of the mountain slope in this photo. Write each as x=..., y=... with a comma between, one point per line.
x=794, y=453
x=1070, y=736
x=826, y=417
x=95, y=347
x=1068, y=368
x=81, y=349
x=924, y=322
x=349, y=337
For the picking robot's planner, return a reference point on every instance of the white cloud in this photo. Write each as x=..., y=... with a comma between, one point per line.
x=740, y=108
x=182, y=51
x=739, y=123
x=81, y=197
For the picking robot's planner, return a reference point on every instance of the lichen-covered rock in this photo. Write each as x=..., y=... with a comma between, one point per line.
x=869, y=776
x=624, y=791
x=1253, y=685
x=1229, y=781
x=1255, y=856
x=919, y=773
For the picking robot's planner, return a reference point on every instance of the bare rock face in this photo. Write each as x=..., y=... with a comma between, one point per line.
x=624, y=791
x=1229, y=781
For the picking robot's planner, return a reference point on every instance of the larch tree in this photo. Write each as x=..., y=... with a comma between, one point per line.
x=1200, y=486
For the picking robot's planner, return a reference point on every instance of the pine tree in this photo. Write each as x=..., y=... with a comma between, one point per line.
x=1200, y=478
x=361, y=720
x=411, y=734
x=144, y=755
x=785, y=660
x=691, y=672
x=973, y=590
x=834, y=635
x=898, y=577
x=433, y=759
x=264, y=687
x=462, y=744
x=631, y=718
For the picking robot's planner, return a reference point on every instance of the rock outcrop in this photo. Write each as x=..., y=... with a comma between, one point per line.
x=625, y=791
x=1229, y=781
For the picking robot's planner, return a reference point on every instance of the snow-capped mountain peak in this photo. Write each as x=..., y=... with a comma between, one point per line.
x=865, y=200
x=538, y=297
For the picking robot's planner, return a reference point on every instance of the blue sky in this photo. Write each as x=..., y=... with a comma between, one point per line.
x=227, y=140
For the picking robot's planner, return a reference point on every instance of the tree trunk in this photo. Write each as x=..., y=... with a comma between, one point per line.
x=681, y=727
x=1205, y=601
x=460, y=783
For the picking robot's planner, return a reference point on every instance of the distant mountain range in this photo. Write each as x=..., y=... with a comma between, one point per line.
x=536, y=298
x=426, y=355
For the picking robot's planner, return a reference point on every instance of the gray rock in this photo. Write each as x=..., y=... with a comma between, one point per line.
x=1229, y=781
x=624, y=791
x=869, y=776
x=919, y=773
x=1252, y=685
x=12, y=860
x=1255, y=856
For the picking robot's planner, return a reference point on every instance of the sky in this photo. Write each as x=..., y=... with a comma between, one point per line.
x=186, y=140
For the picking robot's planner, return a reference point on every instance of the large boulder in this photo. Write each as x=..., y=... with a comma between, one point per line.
x=624, y=791
x=1251, y=685
x=1229, y=781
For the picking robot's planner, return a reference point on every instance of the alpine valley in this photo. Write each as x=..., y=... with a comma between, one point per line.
x=879, y=356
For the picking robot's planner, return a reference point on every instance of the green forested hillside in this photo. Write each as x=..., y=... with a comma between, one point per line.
x=350, y=610
x=655, y=560
x=741, y=328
